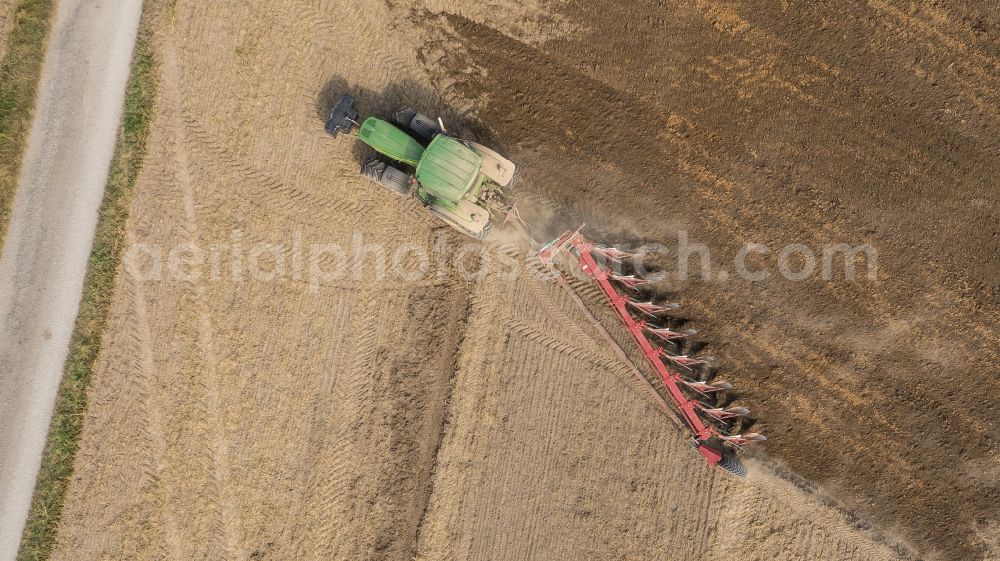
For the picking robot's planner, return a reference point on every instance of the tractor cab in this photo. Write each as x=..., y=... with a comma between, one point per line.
x=447, y=171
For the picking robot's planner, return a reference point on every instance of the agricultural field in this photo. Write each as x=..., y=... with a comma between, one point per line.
x=258, y=398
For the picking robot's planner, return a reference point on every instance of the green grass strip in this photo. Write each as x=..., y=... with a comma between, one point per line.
x=67, y=422
x=20, y=71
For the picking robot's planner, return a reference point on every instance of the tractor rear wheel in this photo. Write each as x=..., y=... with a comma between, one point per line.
x=387, y=176
x=420, y=124
x=403, y=115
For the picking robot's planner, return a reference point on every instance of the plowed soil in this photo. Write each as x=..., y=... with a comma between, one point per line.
x=450, y=418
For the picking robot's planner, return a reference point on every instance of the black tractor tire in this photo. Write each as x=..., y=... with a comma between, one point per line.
x=395, y=180
x=372, y=169
x=387, y=176
x=417, y=123
x=403, y=115
x=424, y=126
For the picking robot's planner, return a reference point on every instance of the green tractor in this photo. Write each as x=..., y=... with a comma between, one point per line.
x=460, y=181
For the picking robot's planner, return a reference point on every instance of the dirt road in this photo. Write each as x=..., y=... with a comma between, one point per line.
x=49, y=237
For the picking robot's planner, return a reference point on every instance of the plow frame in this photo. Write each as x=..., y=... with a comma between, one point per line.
x=583, y=251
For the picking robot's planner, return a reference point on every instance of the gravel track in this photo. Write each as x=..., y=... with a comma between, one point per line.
x=51, y=229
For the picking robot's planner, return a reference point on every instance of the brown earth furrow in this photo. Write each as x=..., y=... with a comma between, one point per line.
x=439, y=537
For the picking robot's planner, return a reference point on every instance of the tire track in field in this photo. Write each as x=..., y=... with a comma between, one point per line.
x=215, y=406
x=268, y=192
x=328, y=418
x=132, y=461
x=152, y=421
x=338, y=490
x=559, y=345
x=534, y=291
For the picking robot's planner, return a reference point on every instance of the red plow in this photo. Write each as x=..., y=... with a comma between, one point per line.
x=709, y=425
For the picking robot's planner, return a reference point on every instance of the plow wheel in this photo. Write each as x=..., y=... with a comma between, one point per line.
x=733, y=466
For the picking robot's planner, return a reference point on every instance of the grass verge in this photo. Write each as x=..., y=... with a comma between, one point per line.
x=71, y=402
x=20, y=71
